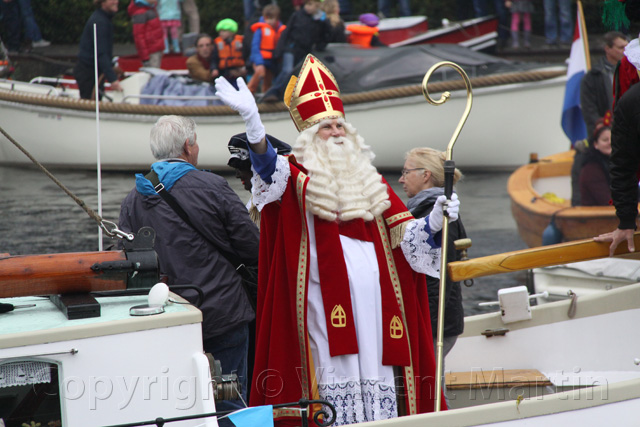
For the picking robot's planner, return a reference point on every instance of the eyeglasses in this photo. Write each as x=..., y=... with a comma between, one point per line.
x=404, y=172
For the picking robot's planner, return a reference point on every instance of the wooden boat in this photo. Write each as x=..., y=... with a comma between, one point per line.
x=382, y=100
x=118, y=368
x=542, y=191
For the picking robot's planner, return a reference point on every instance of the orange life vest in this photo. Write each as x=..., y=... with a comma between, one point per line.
x=229, y=54
x=269, y=38
x=361, y=35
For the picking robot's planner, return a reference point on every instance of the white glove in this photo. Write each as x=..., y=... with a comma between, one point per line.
x=243, y=102
x=436, y=216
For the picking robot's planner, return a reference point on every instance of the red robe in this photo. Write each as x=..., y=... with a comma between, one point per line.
x=283, y=370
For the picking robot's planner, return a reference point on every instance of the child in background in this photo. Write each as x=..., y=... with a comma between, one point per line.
x=226, y=57
x=520, y=8
x=332, y=9
x=170, y=18
x=147, y=31
x=266, y=33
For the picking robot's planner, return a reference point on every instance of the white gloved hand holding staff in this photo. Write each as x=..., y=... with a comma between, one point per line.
x=436, y=216
x=243, y=102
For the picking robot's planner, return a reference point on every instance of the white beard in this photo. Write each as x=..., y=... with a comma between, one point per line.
x=343, y=184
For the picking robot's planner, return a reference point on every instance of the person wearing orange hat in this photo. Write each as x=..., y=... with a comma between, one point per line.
x=366, y=33
x=342, y=298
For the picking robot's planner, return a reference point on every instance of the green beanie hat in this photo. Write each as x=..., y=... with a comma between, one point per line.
x=227, y=25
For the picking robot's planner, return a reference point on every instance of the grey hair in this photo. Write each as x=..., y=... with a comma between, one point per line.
x=169, y=134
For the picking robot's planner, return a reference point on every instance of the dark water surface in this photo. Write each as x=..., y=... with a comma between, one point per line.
x=37, y=217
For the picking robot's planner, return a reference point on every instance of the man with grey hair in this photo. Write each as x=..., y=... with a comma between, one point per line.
x=191, y=253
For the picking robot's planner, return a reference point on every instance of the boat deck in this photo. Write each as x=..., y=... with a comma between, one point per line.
x=45, y=323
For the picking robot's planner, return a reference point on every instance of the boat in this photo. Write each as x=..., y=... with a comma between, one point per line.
x=584, y=278
x=476, y=34
x=541, y=191
x=60, y=362
x=382, y=95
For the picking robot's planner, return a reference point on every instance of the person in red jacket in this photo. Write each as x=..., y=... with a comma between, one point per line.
x=266, y=33
x=147, y=32
x=226, y=58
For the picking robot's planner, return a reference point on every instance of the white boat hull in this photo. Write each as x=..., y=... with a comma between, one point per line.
x=594, y=355
x=506, y=123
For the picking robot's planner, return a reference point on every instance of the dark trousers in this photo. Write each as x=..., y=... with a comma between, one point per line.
x=12, y=23
x=85, y=77
x=231, y=350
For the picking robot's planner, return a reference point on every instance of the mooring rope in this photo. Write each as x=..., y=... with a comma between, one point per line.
x=109, y=227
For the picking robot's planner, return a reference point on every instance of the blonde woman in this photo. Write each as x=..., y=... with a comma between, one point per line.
x=422, y=179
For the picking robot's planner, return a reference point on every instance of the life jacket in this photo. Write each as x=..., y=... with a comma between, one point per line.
x=361, y=35
x=229, y=54
x=269, y=38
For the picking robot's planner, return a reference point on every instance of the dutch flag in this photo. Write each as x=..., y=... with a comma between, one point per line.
x=572, y=121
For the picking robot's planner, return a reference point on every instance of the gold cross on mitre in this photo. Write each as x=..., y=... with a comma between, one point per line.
x=314, y=95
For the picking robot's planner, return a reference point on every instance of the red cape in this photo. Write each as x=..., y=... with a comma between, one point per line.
x=283, y=370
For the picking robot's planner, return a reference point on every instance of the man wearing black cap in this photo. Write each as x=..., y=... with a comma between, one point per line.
x=240, y=161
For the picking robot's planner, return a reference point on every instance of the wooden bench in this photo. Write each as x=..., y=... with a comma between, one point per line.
x=495, y=379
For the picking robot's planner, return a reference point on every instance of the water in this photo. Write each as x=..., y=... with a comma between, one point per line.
x=37, y=217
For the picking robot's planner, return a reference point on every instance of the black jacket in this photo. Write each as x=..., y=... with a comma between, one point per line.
x=104, y=38
x=302, y=35
x=625, y=157
x=596, y=94
x=453, y=312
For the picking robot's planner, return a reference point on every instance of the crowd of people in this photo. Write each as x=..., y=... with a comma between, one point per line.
x=264, y=49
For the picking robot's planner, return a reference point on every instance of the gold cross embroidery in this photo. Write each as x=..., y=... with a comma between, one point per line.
x=396, y=329
x=338, y=317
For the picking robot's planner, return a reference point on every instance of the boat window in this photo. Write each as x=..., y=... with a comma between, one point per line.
x=29, y=392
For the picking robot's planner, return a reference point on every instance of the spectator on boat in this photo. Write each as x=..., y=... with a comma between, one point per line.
x=481, y=9
x=198, y=64
x=366, y=33
x=147, y=32
x=596, y=88
x=171, y=21
x=84, y=69
x=558, y=25
x=596, y=99
x=226, y=56
x=594, y=176
x=520, y=9
x=384, y=8
x=339, y=304
x=190, y=10
x=191, y=253
x=266, y=33
x=422, y=179
x=16, y=16
x=336, y=24
x=307, y=29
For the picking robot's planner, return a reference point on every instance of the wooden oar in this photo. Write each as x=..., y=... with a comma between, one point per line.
x=543, y=256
